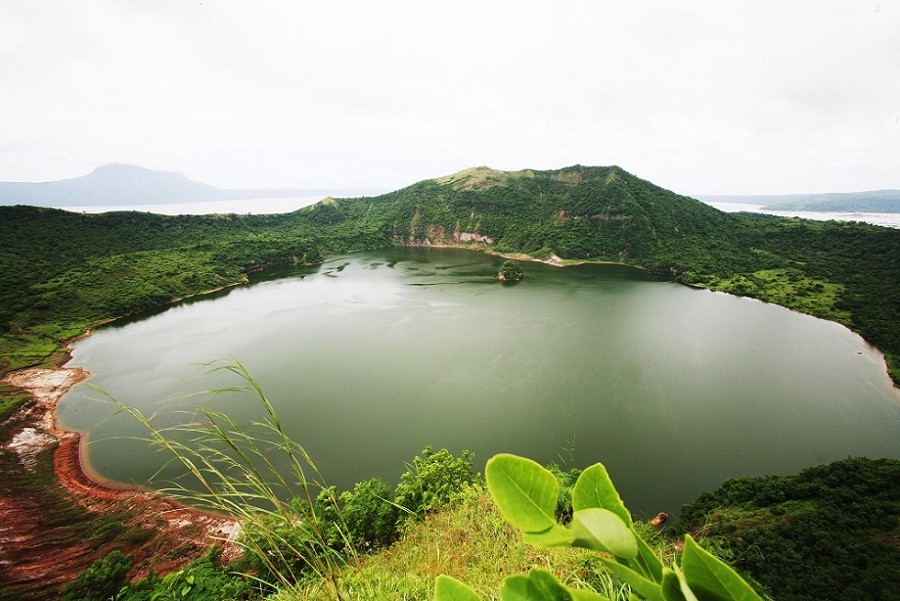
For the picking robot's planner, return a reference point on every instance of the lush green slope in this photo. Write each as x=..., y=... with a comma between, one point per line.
x=847, y=272
x=61, y=272
x=830, y=532
x=601, y=213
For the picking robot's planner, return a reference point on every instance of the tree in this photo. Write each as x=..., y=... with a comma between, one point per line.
x=510, y=271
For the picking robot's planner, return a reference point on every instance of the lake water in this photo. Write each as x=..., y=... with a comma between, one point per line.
x=245, y=206
x=252, y=206
x=882, y=219
x=371, y=357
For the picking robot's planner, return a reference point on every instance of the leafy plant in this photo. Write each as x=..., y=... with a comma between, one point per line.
x=829, y=533
x=527, y=495
x=102, y=580
x=433, y=480
x=204, y=579
x=510, y=271
x=367, y=513
x=238, y=470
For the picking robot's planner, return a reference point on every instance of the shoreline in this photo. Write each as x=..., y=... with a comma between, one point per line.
x=173, y=520
x=47, y=385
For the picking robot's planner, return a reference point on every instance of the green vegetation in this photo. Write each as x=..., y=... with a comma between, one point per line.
x=510, y=271
x=827, y=533
x=527, y=495
x=61, y=272
x=10, y=400
x=102, y=580
x=830, y=532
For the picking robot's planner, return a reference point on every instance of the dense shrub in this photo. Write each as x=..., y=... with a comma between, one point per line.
x=830, y=532
x=204, y=579
x=102, y=580
x=433, y=480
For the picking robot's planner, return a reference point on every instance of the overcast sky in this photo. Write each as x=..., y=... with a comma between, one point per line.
x=698, y=96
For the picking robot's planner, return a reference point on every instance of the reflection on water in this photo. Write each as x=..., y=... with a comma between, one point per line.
x=368, y=358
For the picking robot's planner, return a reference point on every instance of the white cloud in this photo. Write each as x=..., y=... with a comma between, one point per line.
x=698, y=96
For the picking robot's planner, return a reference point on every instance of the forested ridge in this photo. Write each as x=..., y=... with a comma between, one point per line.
x=62, y=272
x=829, y=532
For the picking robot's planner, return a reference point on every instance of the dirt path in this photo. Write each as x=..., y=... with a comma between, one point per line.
x=55, y=521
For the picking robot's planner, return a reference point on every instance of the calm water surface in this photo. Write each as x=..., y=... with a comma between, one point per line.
x=371, y=357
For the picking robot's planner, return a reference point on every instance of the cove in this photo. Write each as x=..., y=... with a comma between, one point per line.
x=370, y=357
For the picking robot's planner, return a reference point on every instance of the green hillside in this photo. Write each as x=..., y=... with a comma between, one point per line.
x=829, y=532
x=596, y=213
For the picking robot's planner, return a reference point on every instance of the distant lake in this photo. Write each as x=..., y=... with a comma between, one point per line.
x=244, y=206
x=883, y=219
x=253, y=206
x=372, y=356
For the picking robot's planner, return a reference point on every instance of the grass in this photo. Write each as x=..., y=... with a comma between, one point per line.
x=469, y=541
x=283, y=533
x=26, y=350
x=10, y=399
x=235, y=468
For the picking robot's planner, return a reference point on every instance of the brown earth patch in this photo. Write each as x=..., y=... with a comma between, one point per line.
x=55, y=520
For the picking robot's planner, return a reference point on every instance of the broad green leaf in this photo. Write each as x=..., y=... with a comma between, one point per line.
x=518, y=588
x=647, y=558
x=648, y=589
x=555, y=536
x=450, y=589
x=548, y=586
x=595, y=489
x=537, y=586
x=525, y=492
x=710, y=578
x=580, y=594
x=603, y=530
x=674, y=588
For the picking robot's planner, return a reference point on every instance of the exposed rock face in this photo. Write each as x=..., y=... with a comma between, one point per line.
x=436, y=236
x=471, y=237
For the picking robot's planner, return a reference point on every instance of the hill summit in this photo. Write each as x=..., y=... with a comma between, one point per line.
x=578, y=212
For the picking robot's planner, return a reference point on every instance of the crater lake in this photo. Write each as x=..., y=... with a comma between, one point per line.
x=370, y=357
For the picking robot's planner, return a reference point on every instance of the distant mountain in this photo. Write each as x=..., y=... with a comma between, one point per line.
x=875, y=201
x=126, y=185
